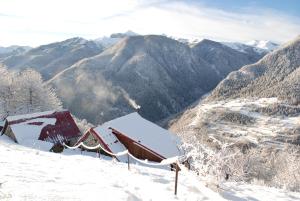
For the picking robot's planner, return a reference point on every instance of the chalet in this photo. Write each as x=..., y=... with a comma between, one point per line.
x=143, y=139
x=53, y=127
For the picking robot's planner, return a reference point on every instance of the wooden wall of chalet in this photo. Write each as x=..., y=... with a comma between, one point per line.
x=8, y=131
x=137, y=149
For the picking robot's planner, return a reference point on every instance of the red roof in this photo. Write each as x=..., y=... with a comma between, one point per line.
x=64, y=128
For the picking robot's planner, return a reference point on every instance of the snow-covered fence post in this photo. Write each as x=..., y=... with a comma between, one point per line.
x=176, y=177
x=128, y=162
x=98, y=152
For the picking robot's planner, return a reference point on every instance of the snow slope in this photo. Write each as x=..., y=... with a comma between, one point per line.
x=262, y=129
x=28, y=174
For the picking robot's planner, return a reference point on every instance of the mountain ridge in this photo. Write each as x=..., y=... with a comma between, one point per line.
x=52, y=58
x=270, y=71
x=160, y=74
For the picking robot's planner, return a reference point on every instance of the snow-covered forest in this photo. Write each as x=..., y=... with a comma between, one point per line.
x=25, y=92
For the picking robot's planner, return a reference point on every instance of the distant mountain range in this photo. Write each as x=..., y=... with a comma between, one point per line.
x=12, y=50
x=224, y=59
x=263, y=44
x=111, y=76
x=276, y=75
x=257, y=106
x=160, y=74
x=255, y=45
x=53, y=58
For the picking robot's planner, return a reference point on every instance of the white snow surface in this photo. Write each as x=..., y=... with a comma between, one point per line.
x=29, y=174
x=146, y=133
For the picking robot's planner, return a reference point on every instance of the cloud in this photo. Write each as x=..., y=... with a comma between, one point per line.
x=35, y=22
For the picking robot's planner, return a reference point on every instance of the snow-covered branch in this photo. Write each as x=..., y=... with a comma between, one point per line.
x=25, y=92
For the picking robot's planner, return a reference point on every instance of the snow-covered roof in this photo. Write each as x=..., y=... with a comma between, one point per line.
x=28, y=116
x=111, y=141
x=50, y=126
x=27, y=133
x=146, y=133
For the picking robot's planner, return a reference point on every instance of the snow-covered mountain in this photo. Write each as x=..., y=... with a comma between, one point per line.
x=275, y=75
x=224, y=59
x=160, y=74
x=260, y=47
x=254, y=112
x=52, y=58
x=114, y=38
x=263, y=44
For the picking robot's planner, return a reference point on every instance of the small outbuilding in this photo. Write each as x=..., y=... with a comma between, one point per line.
x=53, y=127
x=143, y=139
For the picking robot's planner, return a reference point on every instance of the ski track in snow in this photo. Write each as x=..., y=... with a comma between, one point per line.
x=30, y=174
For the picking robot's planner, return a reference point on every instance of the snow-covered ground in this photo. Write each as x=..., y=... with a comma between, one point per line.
x=264, y=130
x=30, y=174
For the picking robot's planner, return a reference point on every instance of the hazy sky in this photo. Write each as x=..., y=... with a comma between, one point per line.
x=36, y=22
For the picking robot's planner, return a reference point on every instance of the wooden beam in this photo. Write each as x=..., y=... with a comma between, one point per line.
x=176, y=178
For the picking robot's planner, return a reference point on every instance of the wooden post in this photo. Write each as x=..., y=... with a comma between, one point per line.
x=128, y=161
x=176, y=178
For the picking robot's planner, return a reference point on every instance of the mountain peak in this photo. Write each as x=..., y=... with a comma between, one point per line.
x=114, y=38
x=122, y=35
x=75, y=40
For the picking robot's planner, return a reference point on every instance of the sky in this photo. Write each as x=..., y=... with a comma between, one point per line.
x=37, y=22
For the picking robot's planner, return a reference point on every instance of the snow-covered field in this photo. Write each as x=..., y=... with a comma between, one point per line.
x=30, y=174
